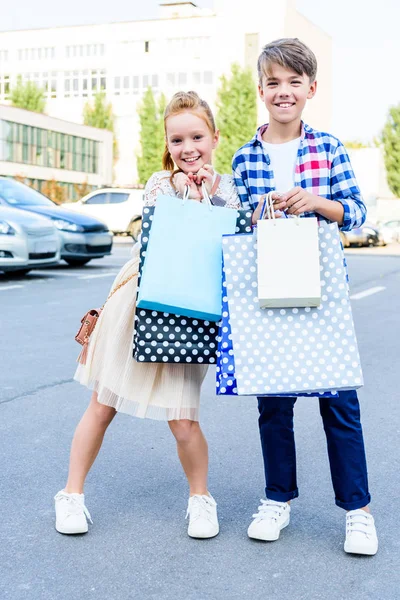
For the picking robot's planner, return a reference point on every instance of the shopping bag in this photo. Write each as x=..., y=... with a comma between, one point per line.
x=182, y=270
x=165, y=337
x=293, y=351
x=287, y=261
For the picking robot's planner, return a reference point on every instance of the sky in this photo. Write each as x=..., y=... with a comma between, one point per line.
x=365, y=35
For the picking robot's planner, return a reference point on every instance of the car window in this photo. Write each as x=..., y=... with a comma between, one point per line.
x=97, y=199
x=15, y=193
x=117, y=198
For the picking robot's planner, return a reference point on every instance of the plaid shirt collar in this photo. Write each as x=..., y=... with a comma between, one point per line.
x=257, y=139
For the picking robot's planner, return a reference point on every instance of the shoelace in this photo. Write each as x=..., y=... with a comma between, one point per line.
x=359, y=523
x=269, y=509
x=198, y=507
x=74, y=503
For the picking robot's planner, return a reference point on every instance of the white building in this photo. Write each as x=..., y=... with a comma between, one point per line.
x=40, y=148
x=185, y=48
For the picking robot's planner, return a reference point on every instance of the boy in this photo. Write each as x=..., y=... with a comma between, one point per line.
x=312, y=175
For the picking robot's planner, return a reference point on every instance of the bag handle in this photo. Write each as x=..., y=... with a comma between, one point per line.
x=268, y=208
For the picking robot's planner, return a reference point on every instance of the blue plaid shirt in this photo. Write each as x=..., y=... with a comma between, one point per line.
x=322, y=167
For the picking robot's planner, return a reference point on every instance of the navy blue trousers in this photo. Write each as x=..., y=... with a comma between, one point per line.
x=341, y=420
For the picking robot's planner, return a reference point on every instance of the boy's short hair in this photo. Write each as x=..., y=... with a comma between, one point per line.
x=289, y=53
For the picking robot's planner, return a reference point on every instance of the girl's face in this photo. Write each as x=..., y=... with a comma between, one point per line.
x=190, y=141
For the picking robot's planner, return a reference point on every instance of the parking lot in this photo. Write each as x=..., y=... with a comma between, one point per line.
x=136, y=492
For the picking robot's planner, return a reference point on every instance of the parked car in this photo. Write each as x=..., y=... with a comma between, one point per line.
x=27, y=241
x=119, y=208
x=391, y=231
x=366, y=235
x=82, y=237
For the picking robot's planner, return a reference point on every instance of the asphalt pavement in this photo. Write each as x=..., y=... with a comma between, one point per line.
x=137, y=547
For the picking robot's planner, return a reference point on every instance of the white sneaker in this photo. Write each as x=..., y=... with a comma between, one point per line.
x=361, y=535
x=71, y=513
x=272, y=516
x=203, y=520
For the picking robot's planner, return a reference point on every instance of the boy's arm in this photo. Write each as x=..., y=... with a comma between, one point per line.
x=240, y=184
x=345, y=190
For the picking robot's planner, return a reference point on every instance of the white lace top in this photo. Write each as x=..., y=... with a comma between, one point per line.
x=160, y=183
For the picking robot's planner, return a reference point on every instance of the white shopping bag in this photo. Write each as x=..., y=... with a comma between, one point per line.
x=288, y=261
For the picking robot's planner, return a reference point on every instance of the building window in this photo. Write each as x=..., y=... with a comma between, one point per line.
x=32, y=145
x=170, y=78
x=147, y=47
x=4, y=87
x=182, y=78
x=47, y=52
x=3, y=56
x=208, y=77
x=136, y=86
x=84, y=50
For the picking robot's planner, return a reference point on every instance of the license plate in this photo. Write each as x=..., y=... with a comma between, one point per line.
x=45, y=247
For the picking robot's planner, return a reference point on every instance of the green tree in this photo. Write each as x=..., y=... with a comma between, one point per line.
x=100, y=114
x=152, y=138
x=391, y=149
x=356, y=144
x=236, y=114
x=28, y=95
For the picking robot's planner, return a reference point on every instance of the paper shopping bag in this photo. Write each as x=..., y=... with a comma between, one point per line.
x=286, y=351
x=288, y=263
x=182, y=270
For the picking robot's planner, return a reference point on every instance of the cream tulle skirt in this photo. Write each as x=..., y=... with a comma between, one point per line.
x=161, y=391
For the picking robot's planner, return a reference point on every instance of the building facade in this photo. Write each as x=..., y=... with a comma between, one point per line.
x=186, y=47
x=39, y=148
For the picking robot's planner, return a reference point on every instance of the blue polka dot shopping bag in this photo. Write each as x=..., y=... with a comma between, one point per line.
x=165, y=337
x=286, y=351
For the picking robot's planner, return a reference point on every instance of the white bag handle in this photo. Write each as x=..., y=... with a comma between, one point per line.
x=206, y=197
x=268, y=208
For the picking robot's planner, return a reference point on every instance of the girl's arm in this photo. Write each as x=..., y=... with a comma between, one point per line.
x=159, y=183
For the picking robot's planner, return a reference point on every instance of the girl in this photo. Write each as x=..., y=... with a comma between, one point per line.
x=154, y=390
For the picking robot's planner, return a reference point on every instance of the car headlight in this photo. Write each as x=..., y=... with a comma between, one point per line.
x=67, y=225
x=6, y=229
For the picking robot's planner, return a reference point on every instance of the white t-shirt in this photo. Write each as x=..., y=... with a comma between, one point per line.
x=283, y=160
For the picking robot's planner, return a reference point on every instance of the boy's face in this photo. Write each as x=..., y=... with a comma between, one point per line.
x=285, y=93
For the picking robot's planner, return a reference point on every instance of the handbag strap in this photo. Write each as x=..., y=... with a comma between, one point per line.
x=118, y=287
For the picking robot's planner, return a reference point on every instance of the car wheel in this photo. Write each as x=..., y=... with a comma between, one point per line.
x=18, y=273
x=77, y=262
x=134, y=229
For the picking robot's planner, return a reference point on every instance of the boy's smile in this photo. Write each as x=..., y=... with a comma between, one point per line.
x=284, y=93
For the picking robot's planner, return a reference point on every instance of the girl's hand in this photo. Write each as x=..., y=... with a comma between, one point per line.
x=206, y=175
x=181, y=180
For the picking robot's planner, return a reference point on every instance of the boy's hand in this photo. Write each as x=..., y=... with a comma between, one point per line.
x=206, y=174
x=297, y=201
x=277, y=199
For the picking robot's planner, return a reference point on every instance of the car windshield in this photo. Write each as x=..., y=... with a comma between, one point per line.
x=18, y=194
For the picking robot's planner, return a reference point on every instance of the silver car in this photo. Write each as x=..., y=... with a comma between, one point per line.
x=82, y=237
x=27, y=241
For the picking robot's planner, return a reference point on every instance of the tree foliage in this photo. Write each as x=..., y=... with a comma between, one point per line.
x=391, y=149
x=54, y=190
x=28, y=95
x=236, y=114
x=100, y=114
x=152, y=138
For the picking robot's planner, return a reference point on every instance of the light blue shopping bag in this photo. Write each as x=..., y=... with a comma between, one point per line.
x=182, y=268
